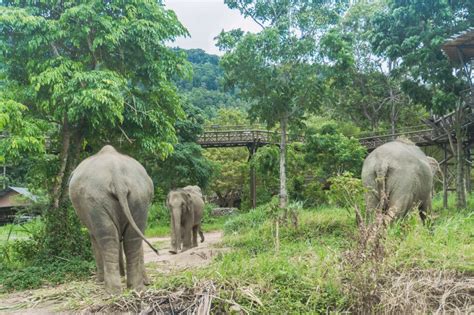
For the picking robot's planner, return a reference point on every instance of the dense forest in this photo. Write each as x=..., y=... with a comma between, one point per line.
x=320, y=76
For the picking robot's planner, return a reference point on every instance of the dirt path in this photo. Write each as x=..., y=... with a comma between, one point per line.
x=78, y=295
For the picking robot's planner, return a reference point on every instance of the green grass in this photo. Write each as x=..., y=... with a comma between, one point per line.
x=307, y=274
x=447, y=244
x=19, y=231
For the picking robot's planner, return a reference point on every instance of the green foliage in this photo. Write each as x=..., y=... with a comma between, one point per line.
x=346, y=191
x=247, y=221
x=413, y=32
x=51, y=273
x=332, y=152
x=34, y=256
x=98, y=66
x=158, y=214
x=206, y=71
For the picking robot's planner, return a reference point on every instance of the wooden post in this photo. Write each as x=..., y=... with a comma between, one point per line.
x=253, y=176
x=445, y=178
x=468, y=169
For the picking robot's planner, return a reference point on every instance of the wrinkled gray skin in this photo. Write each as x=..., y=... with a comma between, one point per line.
x=111, y=193
x=399, y=176
x=186, y=209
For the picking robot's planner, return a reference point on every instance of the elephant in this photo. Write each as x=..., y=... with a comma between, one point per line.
x=399, y=176
x=111, y=193
x=186, y=207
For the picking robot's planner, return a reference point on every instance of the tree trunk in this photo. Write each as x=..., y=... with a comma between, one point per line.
x=393, y=114
x=63, y=160
x=460, y=182
x=73, y=159
x=283, y=192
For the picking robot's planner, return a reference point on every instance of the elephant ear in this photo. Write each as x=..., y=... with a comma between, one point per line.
x=189, y=202
x=434, y=165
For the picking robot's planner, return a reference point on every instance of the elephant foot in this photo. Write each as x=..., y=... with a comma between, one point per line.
x=99, y=278
x=173, y=251
x=146, y=280
x=113, y=290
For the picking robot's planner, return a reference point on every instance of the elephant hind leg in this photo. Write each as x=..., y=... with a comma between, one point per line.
x=133, y=248
x=424, y=209
x=201, y=234
x=109, y=248
x=195, y=233
x=98, y=259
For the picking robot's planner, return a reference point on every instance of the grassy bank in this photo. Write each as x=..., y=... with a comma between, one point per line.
x=311, y=271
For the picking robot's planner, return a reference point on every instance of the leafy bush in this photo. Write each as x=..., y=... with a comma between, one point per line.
x=158, y=215
x=35, y=276
x=346, y=191
x=252, y=219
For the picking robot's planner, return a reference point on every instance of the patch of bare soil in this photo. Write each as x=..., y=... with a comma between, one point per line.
x=73, y=296
x=195, y=257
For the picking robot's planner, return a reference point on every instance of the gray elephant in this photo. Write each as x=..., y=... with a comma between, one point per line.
x=399, y=177
x=186, y=207
x=111, y=193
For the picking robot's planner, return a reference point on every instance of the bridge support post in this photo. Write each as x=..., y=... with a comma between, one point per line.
x=468, y=169
x=445, y=177
x=253, y=176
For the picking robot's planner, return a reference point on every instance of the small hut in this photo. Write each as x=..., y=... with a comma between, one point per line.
x=12, y=199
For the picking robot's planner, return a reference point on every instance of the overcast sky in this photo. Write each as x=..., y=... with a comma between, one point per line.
x=205, y=19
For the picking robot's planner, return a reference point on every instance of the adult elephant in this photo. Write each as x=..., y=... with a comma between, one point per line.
x=111, y=193
x=399, y=177
x=186, y=207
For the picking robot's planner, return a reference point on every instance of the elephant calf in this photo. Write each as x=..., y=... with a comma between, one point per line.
x=186, y=209
x=111, y=193
x=399, y=176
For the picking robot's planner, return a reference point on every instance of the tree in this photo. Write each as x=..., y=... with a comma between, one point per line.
x=96, y=72
x=411, y=33
x=364, y=87
x=332, y=152
x=276, y=69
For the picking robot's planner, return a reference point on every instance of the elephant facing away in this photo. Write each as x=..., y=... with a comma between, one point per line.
x=186, y=207
x=111, y=193
x=399, y=176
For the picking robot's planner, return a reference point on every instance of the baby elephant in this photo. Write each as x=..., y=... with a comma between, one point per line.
x=399, y=176
x=186, y=208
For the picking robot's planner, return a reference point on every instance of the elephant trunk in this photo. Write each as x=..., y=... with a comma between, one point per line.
x=176, y=230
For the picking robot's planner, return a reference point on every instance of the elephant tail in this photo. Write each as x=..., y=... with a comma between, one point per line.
x=201, y=235
x=380, y=181
x=122, y=199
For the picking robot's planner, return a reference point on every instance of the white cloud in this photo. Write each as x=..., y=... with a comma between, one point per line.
x=205, y=19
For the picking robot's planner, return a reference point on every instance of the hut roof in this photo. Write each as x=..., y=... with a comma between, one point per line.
x=461, y=43
x=20, y=190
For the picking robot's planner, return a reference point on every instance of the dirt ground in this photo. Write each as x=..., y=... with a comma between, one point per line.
x=77, y=295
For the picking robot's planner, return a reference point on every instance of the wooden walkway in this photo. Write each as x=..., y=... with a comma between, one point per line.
x=432, y=132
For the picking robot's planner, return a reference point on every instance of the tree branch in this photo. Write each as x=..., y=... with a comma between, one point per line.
x=126, y=137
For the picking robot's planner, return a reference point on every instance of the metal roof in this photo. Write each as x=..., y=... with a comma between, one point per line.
x=461, y=43
x=24, y=192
